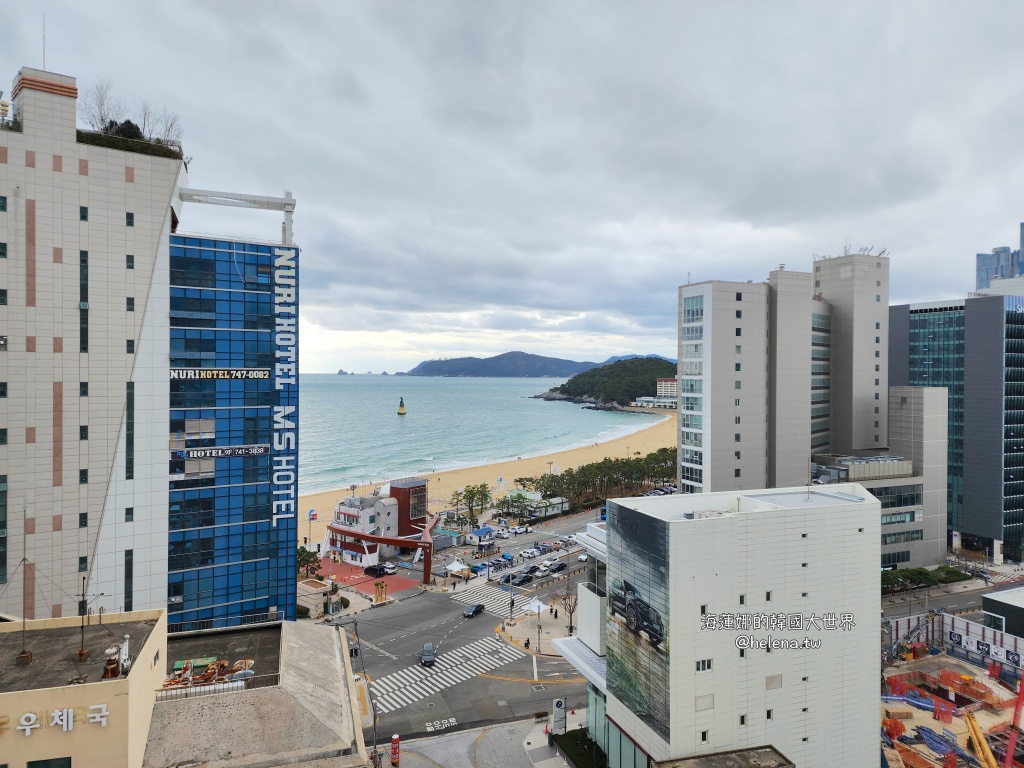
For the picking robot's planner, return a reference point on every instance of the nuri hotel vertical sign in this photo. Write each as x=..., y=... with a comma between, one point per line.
x=285, y=447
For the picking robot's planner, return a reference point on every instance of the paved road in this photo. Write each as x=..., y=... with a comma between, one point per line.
x=959, y=599
x=478, y=679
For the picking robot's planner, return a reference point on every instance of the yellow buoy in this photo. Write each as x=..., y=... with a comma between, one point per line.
x=401, y=406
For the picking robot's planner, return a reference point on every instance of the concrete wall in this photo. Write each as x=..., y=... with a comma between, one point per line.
x=984, y=327
x=857, y=286
x=918, y=430
x=789, y=371
x=591, y=618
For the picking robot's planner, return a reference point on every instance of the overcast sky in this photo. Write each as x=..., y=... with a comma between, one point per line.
x=479, y=177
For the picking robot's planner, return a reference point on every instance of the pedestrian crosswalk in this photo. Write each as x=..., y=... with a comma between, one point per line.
x=402, y=688
x=494, y=599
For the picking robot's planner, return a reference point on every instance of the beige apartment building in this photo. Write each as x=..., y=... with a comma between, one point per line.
x=774, y=374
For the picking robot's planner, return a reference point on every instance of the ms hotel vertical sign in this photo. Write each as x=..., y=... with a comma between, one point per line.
x=285, y=446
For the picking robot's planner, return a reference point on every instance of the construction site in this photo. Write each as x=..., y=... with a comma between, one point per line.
x=950, y=694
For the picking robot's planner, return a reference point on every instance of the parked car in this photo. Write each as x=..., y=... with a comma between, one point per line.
x=556, y=567
x=479, y=568
x=473, y=610
x=541, y=571
x=427, y=657
x=520, y=579
x=375, y=570
x=531, y=569
x=549, y=562
x=507, y=578
x=390, y=568
x=638, y=613
x=582, y=557
x=529, y=553
x=501, y=534
x=518, y=529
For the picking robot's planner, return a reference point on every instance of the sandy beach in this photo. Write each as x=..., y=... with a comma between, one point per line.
x=440, y=485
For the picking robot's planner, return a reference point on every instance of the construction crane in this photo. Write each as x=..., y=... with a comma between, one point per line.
x=981, y=747
x=1011, y=742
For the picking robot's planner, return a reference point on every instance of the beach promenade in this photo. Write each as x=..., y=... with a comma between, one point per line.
x=440, y=485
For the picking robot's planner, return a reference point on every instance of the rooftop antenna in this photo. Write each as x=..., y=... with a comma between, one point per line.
x=25, y=657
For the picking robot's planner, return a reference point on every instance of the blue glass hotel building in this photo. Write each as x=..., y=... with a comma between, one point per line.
x=233, y=432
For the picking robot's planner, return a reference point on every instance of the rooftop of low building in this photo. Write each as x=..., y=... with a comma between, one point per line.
x=753, y=757
x=55, y=650
x=261, y=643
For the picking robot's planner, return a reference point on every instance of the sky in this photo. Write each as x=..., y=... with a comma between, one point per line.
x=474, y=178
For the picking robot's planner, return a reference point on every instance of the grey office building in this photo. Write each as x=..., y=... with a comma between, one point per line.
x=975, y=348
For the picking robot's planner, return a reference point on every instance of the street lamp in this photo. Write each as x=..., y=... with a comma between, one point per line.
x=549, y=466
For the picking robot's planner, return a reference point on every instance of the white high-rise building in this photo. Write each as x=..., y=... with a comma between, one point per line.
x=773, y=372
x=726, y=621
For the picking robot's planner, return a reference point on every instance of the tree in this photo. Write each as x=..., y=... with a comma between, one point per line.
x=99, y=108
x=106, y=114
x=458, y=498
x=309, y=562
x=569, y=601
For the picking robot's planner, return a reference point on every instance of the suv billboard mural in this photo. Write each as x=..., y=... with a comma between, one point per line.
x=638, y=614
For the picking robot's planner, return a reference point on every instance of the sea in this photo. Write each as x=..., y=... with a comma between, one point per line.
x=350, y=432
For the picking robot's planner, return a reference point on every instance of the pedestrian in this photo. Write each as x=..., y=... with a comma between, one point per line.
x=556, y=613
x=453, y=585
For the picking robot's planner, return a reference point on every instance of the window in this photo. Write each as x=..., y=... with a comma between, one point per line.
x=876, y=409
x=876, y=369
x=129, y=514
x=743, y=653
x=129, y=219
x=83, y=213
x=83, y=564
x=739, y=314
x=803, y=594
x=737, y=419
x=83, y=476
x=3, y=436
x=129, y=262
x=3, y=343
x=739, y=331
x=878, y=340
x=129, y=431
x=3, y=250
x=738, y=366
x=129, y=573
x=704, y=610
x=743, y=599
x=803, y=535
x=803, y=565
x=768, y=714
x=3, y=389
x=876, y=425
x=130, y=303
x=737, y=403
x=739, y=349
x=876, y=395
x=83, y=519
x=739, y=297
x=876, y=382
x=704, y=735
x=878, y=297
x=52, y=762
x=704, y=665
x=743, y=719
x=767, y=597
x=83, y=330
x=83, y=432
x=736, y=455
x=3, y=296
x=130, y=346
x=878, y=326
x=877, y=353
x=736, y=437
x=3, y=204
x=736, y=472
x=739, y=385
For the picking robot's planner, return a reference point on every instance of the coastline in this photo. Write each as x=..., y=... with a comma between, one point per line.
x=440, y=485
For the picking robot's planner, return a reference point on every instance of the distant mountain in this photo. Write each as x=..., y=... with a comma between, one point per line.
x=510, y=364
x=341, y=372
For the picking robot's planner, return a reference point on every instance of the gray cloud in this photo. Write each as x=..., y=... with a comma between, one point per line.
x=474, y=178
